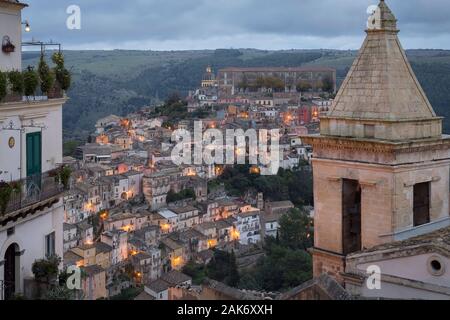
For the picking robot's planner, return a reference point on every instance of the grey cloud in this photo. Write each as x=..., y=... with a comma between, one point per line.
x=209, y=23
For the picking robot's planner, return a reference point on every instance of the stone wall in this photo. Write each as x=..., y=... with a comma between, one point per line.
x=376, y=218
x=328, y=263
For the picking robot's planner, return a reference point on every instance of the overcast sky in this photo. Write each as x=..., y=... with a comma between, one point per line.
x=210, y=24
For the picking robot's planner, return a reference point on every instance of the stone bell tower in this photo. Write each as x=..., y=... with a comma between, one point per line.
x=381, y=163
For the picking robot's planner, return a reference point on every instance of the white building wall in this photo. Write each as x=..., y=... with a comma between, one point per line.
x=401, y=292
x=135, y=183
x=164, y=295
x=9, y=157
x=29, y=235
x=10, y=25
x=247, y=227
x=418, y=269
x=271, y=229
x=27, y=117
x=46, y=115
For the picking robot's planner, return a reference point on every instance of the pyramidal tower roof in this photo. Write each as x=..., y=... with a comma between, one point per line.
x=381, y=84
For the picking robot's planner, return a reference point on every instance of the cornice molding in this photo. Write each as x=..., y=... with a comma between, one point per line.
x=28, y=105
x=333, y=143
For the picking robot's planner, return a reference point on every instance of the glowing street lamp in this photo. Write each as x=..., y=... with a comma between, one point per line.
x=27, y=26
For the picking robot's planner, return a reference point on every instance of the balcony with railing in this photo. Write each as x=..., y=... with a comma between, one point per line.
x=36, y=83
x=29, y=195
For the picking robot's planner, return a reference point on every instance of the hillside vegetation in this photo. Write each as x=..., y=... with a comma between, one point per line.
x=121, y=81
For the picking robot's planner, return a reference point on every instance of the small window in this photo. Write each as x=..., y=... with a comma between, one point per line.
x=50, y=245
x=351, y=216
x=421, y=204
x=436, y=266
x=10, y=231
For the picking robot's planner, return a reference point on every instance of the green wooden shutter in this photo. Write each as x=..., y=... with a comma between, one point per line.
x=34, y=153
x=29, y=154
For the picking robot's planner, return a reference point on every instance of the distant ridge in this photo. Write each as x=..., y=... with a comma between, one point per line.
x=121, y=81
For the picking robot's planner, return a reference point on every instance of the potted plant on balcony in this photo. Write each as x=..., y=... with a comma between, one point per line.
x=5, y=196
x=63, y=77
x=64, y=176
x=46, y=76
x=3, y=86
x=46, y=270
x=16, y=84
x=7, y=190
x=30, y=81
x=15, y=187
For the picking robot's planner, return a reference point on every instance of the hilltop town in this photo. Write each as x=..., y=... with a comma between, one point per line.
x=121, y=219
x=332, y=192
x=130, y=207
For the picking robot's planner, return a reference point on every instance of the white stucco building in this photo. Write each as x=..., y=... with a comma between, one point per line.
x=118, y=240
x=10, y=26
x=248, y=225
x=31, y=224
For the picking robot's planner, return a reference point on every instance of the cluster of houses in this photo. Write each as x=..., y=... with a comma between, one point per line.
x=132, y=216
x=139, y=245
x=123, y=221
x=294, y=112
x=292, y=106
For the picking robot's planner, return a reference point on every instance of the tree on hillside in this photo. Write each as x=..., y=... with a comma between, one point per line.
x=233, y=276
x=173, y=98
x=291, y=185
x=296, y=230
x=182, y=195
x=276, y=84
x=223, y=268
x=304, y=86
x=69, y=147
x=283, y=268
x=244, y=83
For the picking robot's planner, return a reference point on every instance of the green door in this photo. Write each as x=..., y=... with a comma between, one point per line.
x=34, y=153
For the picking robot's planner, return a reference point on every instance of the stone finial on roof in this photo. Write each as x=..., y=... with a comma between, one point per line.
x=382, y=19
x=388, y=20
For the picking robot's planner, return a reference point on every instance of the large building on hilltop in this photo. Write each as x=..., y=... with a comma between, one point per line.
x=381, y=177
x=233, y=81
x=31, y=205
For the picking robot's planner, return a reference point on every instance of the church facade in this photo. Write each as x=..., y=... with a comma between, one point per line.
x=381, y=177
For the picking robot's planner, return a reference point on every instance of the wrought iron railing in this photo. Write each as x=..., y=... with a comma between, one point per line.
x=31, y=190
x=54, y=93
